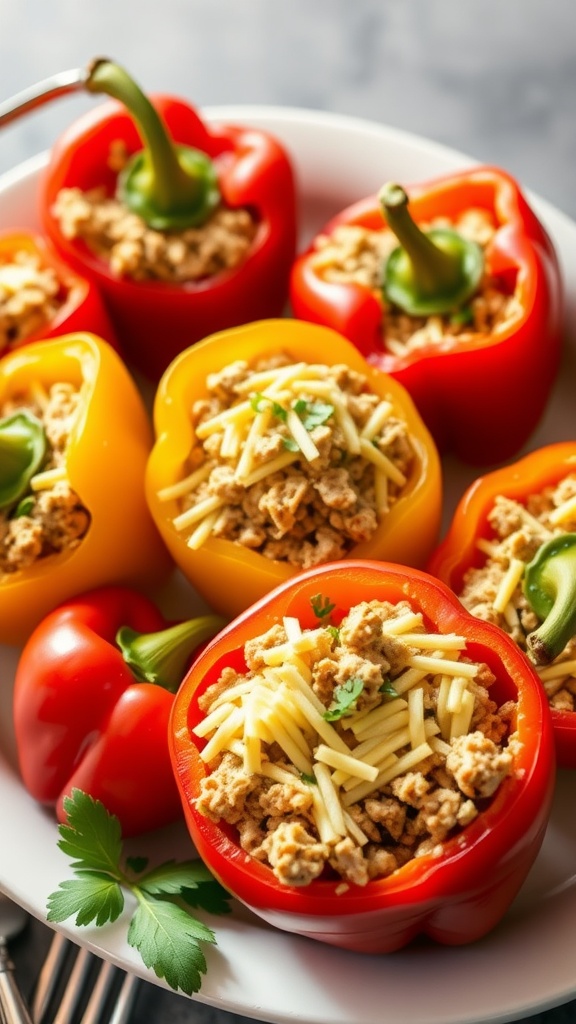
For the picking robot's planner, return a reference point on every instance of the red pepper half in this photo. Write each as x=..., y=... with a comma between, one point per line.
x=80, y=307
x=154, y=319
x=465, y=390
x=454, y=898
x=94, y=689
x=459, y=551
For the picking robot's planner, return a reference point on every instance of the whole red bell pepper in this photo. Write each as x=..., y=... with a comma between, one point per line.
x=77, y=302
x=93, y=693
x=455, y=897
x=466, y=388
x=460, y=550
x=240, y=166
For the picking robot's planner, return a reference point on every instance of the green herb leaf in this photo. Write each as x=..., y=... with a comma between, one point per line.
x=344, y=699
x=92, y=835
x=313, y=414
x=290, y=444
x=334, y=633
x=166, y=934
x=321, y=606
x=167, y=938
x=260, y=402
x=93, y=897
x=387, y=688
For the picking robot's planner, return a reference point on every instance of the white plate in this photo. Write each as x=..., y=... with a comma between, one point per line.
x=527, y=963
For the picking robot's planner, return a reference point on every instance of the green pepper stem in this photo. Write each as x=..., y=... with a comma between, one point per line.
x=550, y=587
x=162, y=657
x=168, y=185
x=430, y=272
x=22, y=449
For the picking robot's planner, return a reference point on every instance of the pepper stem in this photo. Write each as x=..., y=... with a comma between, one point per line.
x=550, y=587
x=169, y=186
x=432, y=272
x=162, y=657
x=22, y=449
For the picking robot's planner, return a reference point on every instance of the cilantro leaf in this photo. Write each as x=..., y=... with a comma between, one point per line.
x=167, y=939
x=290, y=444
x=167, y=935
x=91, y=897
x=321, y=606
x=313, y=414
x=345, y=697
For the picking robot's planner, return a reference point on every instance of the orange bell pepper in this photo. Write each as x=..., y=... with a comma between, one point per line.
x=105, y=459
x=459, y=551
x=228, y=575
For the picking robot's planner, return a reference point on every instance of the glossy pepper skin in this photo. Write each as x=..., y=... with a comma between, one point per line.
x=82, y=307
x=230, y=576
x=83, y=719
x=465, y=392
x=105, y=462
x=455, y=898
x=156, y=320
x=458, y=552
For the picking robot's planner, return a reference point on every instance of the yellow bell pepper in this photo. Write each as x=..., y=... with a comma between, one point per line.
x=104, y=463
x=228, y=575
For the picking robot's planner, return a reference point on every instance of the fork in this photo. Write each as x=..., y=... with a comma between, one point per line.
x=90, y=987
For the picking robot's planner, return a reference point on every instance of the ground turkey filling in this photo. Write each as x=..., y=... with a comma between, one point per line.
x=298, y=462
x=494, y=591
x=347, y=751
x=30, y=297
x=354, y=253
x=133, y=250
x=54, y=519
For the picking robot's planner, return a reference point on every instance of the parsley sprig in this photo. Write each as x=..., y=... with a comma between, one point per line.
x=168, y=937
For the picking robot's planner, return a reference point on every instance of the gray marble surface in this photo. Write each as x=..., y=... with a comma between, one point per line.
x=493, y=78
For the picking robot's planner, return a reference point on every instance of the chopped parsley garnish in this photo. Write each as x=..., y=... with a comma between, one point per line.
x=313, y=414
x=344, y=699
x=387, y=688
x=260, y=402
x=168, y=937
x=321, y=606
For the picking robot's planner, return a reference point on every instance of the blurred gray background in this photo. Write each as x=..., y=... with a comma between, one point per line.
x=495, y=79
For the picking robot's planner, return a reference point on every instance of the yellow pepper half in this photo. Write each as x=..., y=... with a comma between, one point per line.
x=229, y=576
x=105, y=460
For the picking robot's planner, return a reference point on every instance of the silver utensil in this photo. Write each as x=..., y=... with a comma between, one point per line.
x=73, y=981
x=13, y=920
x=36, y=95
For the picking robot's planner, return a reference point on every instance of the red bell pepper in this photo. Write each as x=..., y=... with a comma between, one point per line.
x=93, y=693
x=244, y=167
x=78, y=305
x=454, y=897
x=460, y=550
x=467, y=387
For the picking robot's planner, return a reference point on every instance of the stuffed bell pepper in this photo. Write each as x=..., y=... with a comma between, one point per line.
x=510, y=556
x=186, y=229
x=362, y=762
x=73, y=732
x=454, y=288
x=41, y=297
x=279, y=448
x=74, y=441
